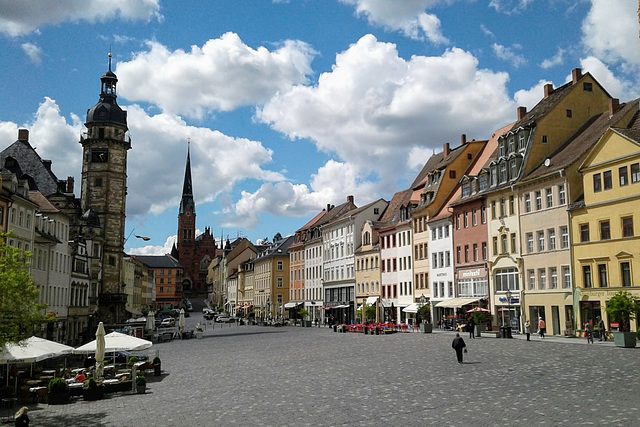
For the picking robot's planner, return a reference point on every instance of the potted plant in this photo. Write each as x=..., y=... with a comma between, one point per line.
x=133, y=360
x=478, y=319
x=622, y=308
x=199, y=332
x=58, y=392
x=303, y=313
x=141, y=384
x=424, y=317
x=92, y=390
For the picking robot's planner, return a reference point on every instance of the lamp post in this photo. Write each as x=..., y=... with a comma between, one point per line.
x=509, y=305
x=422, y=301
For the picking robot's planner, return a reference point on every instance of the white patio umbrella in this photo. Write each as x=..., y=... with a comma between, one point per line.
x=181, y=322
x=33, y=349
x=100, y=349
x=151, y=323
x=115, y=341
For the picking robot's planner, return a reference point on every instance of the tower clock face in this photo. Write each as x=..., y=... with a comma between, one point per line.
x=99, y=155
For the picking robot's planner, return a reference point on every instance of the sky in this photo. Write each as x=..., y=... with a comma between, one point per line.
x=290, y=105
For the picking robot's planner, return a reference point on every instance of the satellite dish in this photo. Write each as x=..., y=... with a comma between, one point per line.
x=547, y=162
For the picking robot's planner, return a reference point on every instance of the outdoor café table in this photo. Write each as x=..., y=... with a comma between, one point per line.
x=49, y=372
x=32, y=382
x=77, y=370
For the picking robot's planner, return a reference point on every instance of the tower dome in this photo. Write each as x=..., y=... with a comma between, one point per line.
x=107, y=111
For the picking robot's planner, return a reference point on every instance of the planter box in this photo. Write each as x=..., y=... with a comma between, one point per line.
x=624, y=339
x=59, y=398
x=426, y=328
x=141, y=389
x=93, y=393
x=199, y=334
x=479, y=329
x=307, y=323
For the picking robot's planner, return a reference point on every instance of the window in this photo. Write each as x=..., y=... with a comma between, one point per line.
x=553, y=272
x=549, y=195
x=495, y=245
x=566, y=277
x=513, y=169
x=532, y=279
x=279, y=282
x=564, y=236
x=507, y=280
x=608, y=182
x=584, y=232
x=586, y=274
x=569, y=113
x=466, y=220
x=552, y=239
x=597, y=183
x=538, y=200
x=587, y=87
x=484, y=251
x=625, y=273
x=483, y=182
x=540, y=241
x=513, y=243
x=504, y=243
x=458, y=252
x=458, y=222
x=635, y=173
x=627, y=227
x=475, y=252
x=602, y=275
x=466, y=189
x=562, y=195
x=623, y=176
x=542, y=276
x=512, y=208
x=466, y=253
x=527, y=202
x=474, y=217
x=503, y=172
x=521, y=140
x=493, y=210
x=605, y=230
x=452, y=174
x=529, y=237
x=544, y=139
x=279, y=265
x=503, y=208
x=483, y=215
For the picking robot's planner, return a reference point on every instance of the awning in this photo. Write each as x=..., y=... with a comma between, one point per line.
x=134, y=312
x=456, y=302
x=387, y=303
x=360, y=307
x=341, y=306
x=246, y=306
x=292, y=304
x=413, y=308
x=371, y=300
x=237, y=307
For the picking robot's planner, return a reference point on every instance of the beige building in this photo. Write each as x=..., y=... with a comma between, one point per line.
x=367, y=258
x=271, y=280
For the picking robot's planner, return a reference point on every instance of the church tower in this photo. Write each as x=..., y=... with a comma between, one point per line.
x=104, y=194
x=187, y=226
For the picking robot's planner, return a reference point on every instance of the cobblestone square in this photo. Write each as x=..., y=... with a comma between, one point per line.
x=293, y=376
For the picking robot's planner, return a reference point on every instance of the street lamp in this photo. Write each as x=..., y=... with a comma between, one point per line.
x=509, y=305
x=423, y=299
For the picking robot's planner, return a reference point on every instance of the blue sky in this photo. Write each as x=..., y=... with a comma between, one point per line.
x=291, y=105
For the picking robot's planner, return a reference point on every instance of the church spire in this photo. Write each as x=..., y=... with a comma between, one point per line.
x=187, y=188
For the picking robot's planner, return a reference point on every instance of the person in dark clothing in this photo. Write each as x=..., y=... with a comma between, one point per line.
x=602, y=328
x=21, y=417
x=471, y=327
x=458, y=345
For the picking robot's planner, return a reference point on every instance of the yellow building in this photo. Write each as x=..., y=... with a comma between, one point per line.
x=367, y=259
x=271, y=280
x=604, y=226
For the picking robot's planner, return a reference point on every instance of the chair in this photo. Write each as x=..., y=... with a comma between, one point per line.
x=41, y=394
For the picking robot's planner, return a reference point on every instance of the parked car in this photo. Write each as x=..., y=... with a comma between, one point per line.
x=223, y=318
x=123, y=357
x=209, y=315
x=169, y=321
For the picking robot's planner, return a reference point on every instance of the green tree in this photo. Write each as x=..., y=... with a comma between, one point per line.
x=622, y=308
x=371, y=312
x=19, y=308
x=424, y=313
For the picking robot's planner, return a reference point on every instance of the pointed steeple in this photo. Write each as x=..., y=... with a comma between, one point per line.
x=187, y=189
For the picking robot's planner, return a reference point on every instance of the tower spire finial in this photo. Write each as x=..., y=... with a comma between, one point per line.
x=110, y=55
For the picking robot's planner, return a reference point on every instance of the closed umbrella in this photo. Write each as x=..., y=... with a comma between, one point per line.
x=100, y=347
x=151, y=323
x=181, y=322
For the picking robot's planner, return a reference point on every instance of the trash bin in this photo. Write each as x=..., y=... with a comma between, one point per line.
x=335, y=328
x=503, y=331
x=377, y=330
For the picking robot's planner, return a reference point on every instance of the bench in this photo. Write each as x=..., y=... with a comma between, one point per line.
x=493, y=334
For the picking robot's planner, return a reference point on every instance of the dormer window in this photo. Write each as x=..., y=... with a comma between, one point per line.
x=512, y=145
x=466, y=189
x=521, y=141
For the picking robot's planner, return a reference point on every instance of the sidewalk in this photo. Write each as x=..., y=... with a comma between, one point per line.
x=536, y=338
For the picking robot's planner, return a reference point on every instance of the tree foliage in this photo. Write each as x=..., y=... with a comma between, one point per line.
x=424, y=313
x=622, y=308
x=19, y=308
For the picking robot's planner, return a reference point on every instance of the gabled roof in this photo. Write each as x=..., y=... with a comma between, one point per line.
x=44, y=205
x=633, y=130
x=158, y=261
x=356, y=211
x=279, y=248
x=583, y=140
x=391, y=216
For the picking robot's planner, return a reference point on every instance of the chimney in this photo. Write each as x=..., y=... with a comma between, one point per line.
x=446, y=150
x=576, y=74
x=70, y=184
x=23, y=135
x=548, y=89
x=328, y=207
x=522, y=111
x=350, y=199
x=614, y=105
x=47, y=164
x=463, y=139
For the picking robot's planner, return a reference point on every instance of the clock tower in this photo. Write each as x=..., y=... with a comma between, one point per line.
x=104, y=194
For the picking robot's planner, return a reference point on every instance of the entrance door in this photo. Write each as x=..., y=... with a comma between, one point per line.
x=555, y=319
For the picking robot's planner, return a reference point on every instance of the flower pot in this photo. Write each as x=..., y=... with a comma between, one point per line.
x=96, y=393
x=624, y=339
x=479, y=329
x=59, y=398
x=426, y=328
x=199, y=334
x=141, y=389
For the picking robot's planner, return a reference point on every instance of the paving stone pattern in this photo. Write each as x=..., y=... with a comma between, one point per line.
x=293, y=376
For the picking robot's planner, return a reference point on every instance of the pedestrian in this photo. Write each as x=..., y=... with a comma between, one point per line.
x=588, y=332
x=471, y=327
x=602, y=328
x=458, y=345
x=21, y=418
x=527, y=330
x=541, y=327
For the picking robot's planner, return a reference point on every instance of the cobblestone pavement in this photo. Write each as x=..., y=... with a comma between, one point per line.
x=293, y=376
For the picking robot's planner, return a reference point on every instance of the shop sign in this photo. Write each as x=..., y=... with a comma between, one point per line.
x=514, y=300
x=472, y=274
x=614, y=324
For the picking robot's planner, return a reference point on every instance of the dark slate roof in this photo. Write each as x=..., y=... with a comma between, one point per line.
x=582, y=141
x=279, y=248
x=29, y=165
x=358, y=210
x=632, y=131
x=391, y=216
x=158, y=261
x=544, y=106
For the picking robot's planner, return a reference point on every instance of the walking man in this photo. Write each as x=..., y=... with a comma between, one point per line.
x=602, y=328
x=471, y=327
x=588, y=331
x=527, y=330
x=541, y=327
x=458, y=345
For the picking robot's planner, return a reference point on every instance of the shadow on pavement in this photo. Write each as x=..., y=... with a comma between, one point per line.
x=41, y=418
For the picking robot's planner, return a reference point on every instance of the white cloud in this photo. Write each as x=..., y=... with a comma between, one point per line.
x=153, y=249
x=33, y=52
x=557, y=59
x=610, y=32
x=374, y=107
x=486, y=31
x=508, y=55
x=222, y=75
x=618, y=87
x=530, y=97
x=509, y=6
x=407, y=16
x=23, y=17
